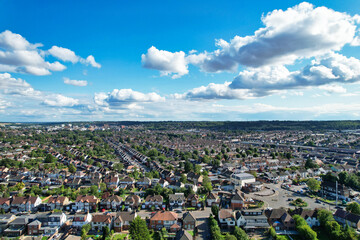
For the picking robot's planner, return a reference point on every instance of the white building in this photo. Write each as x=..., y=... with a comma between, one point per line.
x=240, y=179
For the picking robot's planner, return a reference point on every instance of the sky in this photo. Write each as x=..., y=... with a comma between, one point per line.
x=179, y=60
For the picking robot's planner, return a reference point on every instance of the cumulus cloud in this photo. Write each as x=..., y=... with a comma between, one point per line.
x=125, y=98
x=215, y=91
x=67, y=55
x=326, y=73
x=299, y=32
x=332, y=68
x=90, y=60
x=19, y=55
x=59, y=100
x=78, y=83
x=18, y=89
x=63, y=54
x=168, y=63
x=333, y=88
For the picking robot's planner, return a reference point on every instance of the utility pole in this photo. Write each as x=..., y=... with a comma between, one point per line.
x=336, y=193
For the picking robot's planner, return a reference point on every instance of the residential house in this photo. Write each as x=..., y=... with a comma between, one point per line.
x=329, y=189
x=163, y=219
x=177, y=200
x=155, y=201
x=183, y=235
x=57, y=202
x=5, y=220
x=112, y=202
x=344, y=217
x=144, y=182
x=237, y=200
x=86, y=203
x=189, y=221
x=101, y=220
x=193, y=200
x=212, y=199
x=80, y=219
x=280, y=219
x=254, y=220
x=24, y=204
x=132, y=201
x=226, y=218
x=310, y=216
x=5, y=204
x=122, y=220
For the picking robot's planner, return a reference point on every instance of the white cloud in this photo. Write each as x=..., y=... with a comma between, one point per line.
x=59, y=100
x=302, y=31
x=78, y=83
x=63, y=54
x=67, y=55
x=331, y=68
x=167, y=62
x=19, y=91
x=333, y=88
x=125, y=98
x=215, y=91
x=12, y=86
x=12, y=41
x=18, y=55
x=90, y=60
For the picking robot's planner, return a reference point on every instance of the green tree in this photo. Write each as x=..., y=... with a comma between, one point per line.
x=138, y=230
x=240, y=234
x=228, y=236
x=333, y=229
x=313, y=184
x=207, y=184
x=325, y=216
x=215, y=210
x=183, y=178
x=353, y=207
x=343, y=177
x=106, y=232
x=72, y=168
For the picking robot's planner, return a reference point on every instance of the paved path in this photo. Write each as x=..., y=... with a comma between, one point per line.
x=280, y=199
x=203, y=228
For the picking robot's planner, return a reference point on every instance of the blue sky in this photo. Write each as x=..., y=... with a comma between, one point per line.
x=158, y=60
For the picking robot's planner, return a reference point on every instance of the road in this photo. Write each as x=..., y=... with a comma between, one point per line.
x=280, y=199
